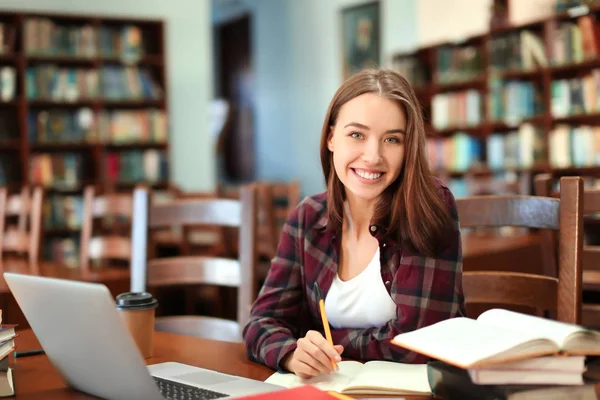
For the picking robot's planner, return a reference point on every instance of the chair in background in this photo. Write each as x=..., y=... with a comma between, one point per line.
x=562, y=293
x=275, y=202
x=24, y=238
x=196, y=270
x=111, y=244
x=590, y=313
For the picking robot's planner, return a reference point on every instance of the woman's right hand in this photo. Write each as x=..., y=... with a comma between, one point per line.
x=313, y=356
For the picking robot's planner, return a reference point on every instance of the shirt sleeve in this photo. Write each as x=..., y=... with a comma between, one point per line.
x=272, y=329
x=431, y=291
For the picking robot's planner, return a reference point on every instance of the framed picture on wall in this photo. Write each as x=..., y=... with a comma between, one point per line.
x=361, y=44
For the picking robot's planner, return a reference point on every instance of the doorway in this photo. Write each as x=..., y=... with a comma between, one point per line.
x=235, y=83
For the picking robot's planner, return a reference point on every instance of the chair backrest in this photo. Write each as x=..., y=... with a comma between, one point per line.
x=105, y=246
x=218, y=271
x=276, y=200
x=565, y=215
x=24, y=238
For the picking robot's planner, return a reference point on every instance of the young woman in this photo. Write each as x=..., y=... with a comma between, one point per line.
x=382, y=245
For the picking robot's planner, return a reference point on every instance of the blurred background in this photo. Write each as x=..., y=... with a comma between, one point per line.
x=201, y=96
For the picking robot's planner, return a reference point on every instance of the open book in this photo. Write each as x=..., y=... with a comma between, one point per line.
x=373, y=377
x=498, y=336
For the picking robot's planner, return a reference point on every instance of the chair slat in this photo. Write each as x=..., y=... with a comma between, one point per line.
x=109, y=247
x=497, y=211
x=193, y=270
x=510, y=288
x=223, y=212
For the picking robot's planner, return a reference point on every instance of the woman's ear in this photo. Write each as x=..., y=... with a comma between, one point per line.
x=330, y=139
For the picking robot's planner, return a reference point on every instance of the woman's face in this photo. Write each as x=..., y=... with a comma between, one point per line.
x=367, y=143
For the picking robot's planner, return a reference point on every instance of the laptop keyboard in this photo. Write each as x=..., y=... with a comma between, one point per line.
x=172, y=390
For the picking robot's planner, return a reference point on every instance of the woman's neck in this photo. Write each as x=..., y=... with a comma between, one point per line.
x=358, y=214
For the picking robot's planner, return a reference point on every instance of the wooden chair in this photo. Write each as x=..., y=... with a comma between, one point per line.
x=107, y=245
x=276, y=200
x=194, y=270
x=561, y=293
x=24, y=238
x=590, y=313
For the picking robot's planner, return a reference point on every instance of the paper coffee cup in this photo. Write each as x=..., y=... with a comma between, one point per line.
x=137, y=309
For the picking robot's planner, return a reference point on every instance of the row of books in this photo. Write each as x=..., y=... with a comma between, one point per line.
x=519, y=149
x=62, y=250
x=521, y=50
x=136, y=166
x=513, y=101
x=507, y=355
x=576, y=95
x=46, y=37
x=8, y=83
x=63, y=212
x=56, y=170
x=458, y=63
x=456, y=109
x=504, y=182
x=51, y=82
x=84, y=125
x=574, y=146
x=8, y=34
x=412, y=68
x=574, y=41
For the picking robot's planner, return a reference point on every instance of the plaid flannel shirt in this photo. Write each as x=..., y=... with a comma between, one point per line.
x=426, y=290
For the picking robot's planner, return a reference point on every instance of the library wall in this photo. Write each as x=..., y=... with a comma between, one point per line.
x=317, y=70
x=189, y=76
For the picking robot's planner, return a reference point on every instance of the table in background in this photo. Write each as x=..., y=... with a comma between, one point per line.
x=116, y=279
x=36, y=378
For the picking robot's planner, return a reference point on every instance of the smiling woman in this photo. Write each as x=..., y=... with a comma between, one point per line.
x=382, y=243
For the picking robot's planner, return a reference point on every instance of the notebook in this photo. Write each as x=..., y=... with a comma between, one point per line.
x=373, y=377
x=498, y=336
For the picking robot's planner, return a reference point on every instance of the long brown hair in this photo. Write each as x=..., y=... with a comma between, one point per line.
x=412, y=207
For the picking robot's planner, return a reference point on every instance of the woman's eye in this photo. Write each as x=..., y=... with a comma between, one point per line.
x=356, y=135
x=393, y=140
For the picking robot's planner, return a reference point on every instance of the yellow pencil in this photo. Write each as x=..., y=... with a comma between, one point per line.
x=325, y=322
x=339, y=395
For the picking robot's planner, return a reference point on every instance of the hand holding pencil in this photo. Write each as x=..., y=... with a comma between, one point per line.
x=315, y=354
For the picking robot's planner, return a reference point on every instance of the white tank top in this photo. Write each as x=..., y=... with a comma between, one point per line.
x=361, y=302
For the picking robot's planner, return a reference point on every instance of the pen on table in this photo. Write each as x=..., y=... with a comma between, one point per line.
x=325, y=321
x=28, y=353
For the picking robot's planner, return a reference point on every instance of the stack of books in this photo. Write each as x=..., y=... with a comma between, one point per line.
x=7, y=344
x=506, y=355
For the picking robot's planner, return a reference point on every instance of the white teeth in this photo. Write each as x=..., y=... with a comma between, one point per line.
x=368, y=175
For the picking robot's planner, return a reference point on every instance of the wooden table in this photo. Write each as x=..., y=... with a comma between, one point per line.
x=36, y=378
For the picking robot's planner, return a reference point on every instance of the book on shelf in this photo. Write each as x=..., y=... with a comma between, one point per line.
x=498, y=336
x=370, y=378
x=450, y=382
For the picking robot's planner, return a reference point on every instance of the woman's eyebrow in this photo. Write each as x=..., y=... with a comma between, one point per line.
x=361, y=126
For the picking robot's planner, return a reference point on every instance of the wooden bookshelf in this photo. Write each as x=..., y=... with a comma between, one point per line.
x=85, y=103
x=506, y=83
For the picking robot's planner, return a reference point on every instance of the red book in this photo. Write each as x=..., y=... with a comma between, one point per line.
x=297, y=393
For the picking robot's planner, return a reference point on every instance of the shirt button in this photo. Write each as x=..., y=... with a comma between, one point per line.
x=373, y=228
x=384, y=244
x=388, y=283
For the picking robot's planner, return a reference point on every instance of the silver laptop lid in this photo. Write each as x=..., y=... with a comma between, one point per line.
x=79, y=328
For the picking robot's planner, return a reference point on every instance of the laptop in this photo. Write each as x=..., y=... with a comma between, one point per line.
x=83, y=335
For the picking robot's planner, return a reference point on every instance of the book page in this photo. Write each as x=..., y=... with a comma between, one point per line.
x=464, y=341
x=395, y=377
x=336, y=381
x=540, y=327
